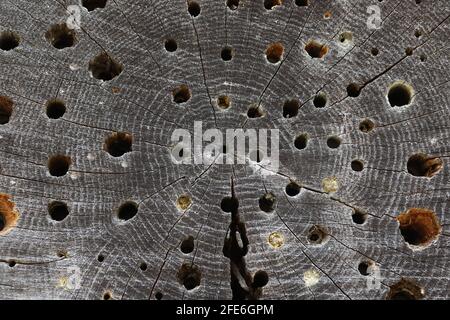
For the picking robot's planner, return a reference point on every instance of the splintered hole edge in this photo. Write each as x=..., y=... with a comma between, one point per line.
x=118, y=144
x=419, y=227
x=127, y=210
x=366, y=125
x=405, y=290
x=316, y=50
x=104, y=67
x=58, y=210
x=422, y=165
x=6, y=109
x=274, y=52
x=59, y=165
x=61, y=36
x=9, y=40
x=55, y=108
x=181, y=94
x=318, y=235
x=8, y=214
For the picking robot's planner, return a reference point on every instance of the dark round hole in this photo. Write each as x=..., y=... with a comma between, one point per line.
x=193, y=8
x=127, y=210
x=409, y=51
x=405, y=290
x=359, y=217
x=260, y=279
x=58, y=165
x=366, y=125
x=419, y=227
x=119, y=143
x=9, y=40
x=100, y=258
x=6, y=109
x=143, y=266
x=290, y=108
x=189, y=275
x=375, y=51
x=233, y=4
x=254, y=112
x=107, y=296
x=12, y=263
x=223, y=102
x=333, y=142
x=61, y=36
x=91, y=5
x=58, y=210
x=267, y=202
x=229, y=204
x=292, y=189
x=269, y=4
x=170, y=45
x=353, y=90
x=187, y=246
x=423, y=57
x=55, y=109
x=400, y=94
x=363, y=268
x=357, y=165
x=158, y=296
x=302, y=3
x=227, y=53
x=418, y=33
x=320, y=100
x=274, y=52
x=181, y=94
x=301, y=142
x=316, y=50
x=104, y=67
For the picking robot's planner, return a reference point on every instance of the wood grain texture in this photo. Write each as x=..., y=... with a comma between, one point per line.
x=37, y=254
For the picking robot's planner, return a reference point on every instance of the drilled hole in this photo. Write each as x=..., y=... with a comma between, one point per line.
x=118, y=143
x=400, y=94
x=158, y=296
x=301, y=141
x=91, y=5
x=359, y=217
x=55, y=109
x=193, y=8
x=100, y=258
x=302, y=3
x=419, y=227
x=229, y=204
x=364, y=268
x=418, y=33
x=409, y=51
x=333, y=142
x=107, y=296
x=12, y=263
x=223, y=102
x=405, y=290
x=317, y=235
x=274, y=52
x=104, y=67
x=58, y=165
x=9, y=40
x=292, y=189
x=233, y=4
x=375, y=51
x=267, y=202
x=60, y=36
x=187, y=245
x=353, y=90
x=423, y=58
x=58, y=210
x=421, y=165
x=143, y=266
x=189, y=275
x=316, y=50
x=254, y=112
x=269, y=4
x=290, y=108
x=260, y=279
x=227, y=53
x=181, y=94
x=127, y=210
x=170, y=45
x=320, y=100
x=6, y=109
x=366, y=125
x=357, y=165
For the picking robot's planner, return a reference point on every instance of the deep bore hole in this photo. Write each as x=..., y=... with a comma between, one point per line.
x=409, y=51
x=158, y=296
x=8, y=214
x=233, y=4
x=359, y=217
x=91, y=5
x=302, y=3
x=333, y=142
x=418, y=33
x=375, y=51
x=316, y=50
x=12, y=263
x=320, y=100
x=274, y=52
x=227, y=53
x=254, y=112
x=104, y=67
x=364, y=267
x=107, y=296
x=194, y=8
x=100, y=258
x=60, y=36
x=9, y=40
x=58, y=210
x=187, y=245
x=267, y=202
x=59, y=165
x=260, y=279
x=143, y=266
x=189, y=275
x=269, y=4
x=55, y=109
x=301, y=141
x=292, y=189
x=421, y=165
x=290, y=108
x=400, y=94
x=419, y=227
x=405, y=290
x=223, y=102
x=366, y=125
x=357, y=165
x=181, y=94
x=6, y=109
x=170, y=45
x=317, y=235
x=119, y=143
x=353, y=90
x=229, y=204
x=127, y=210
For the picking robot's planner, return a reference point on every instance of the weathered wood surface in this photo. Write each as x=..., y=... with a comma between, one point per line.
x=140, y=258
